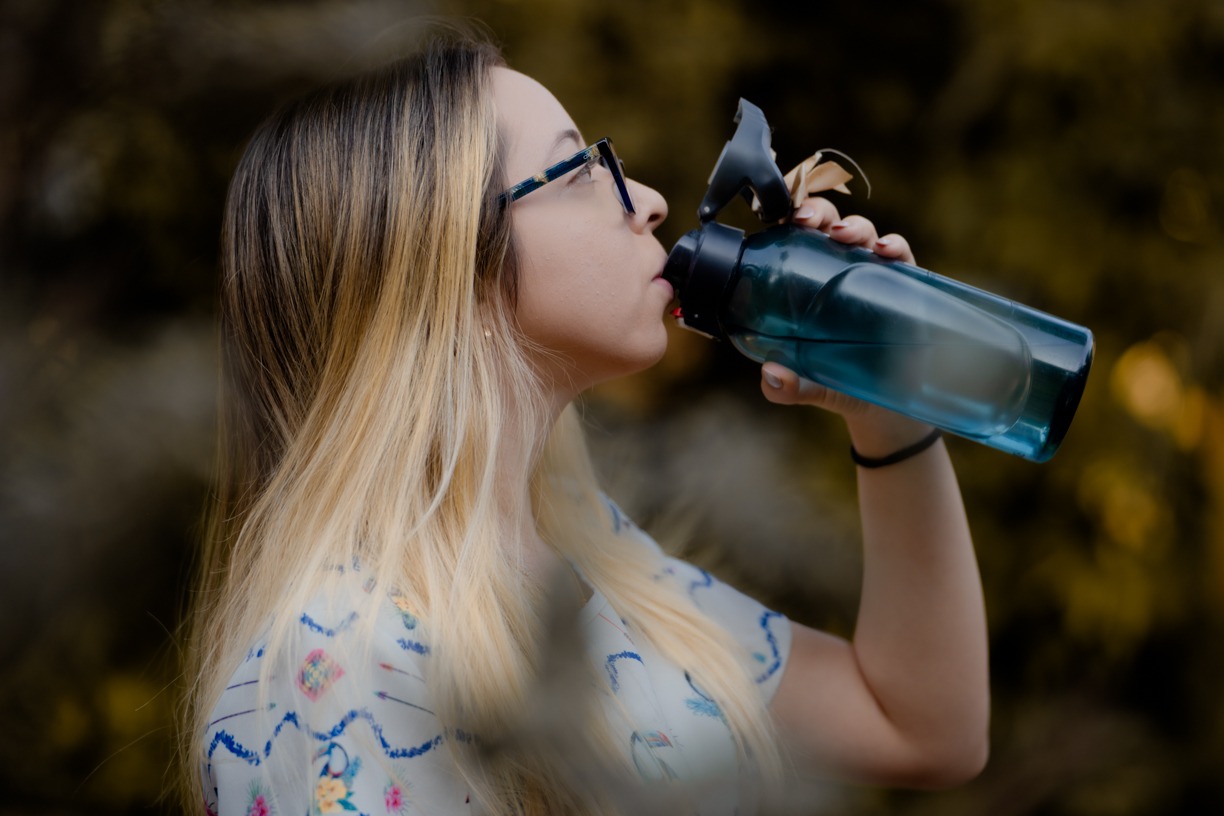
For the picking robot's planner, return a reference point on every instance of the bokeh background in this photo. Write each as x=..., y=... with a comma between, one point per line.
x=1065, y=153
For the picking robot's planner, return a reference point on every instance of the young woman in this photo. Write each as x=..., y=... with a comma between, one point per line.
x=415, y=598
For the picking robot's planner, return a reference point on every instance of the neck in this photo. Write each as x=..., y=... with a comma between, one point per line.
x=518, y=456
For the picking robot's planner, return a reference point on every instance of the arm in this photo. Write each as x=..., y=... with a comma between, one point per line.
x=907, y=701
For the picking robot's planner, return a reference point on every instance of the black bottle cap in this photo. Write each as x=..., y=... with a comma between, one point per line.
x=701, y=268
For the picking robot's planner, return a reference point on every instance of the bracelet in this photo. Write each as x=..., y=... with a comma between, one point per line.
x=899, y=456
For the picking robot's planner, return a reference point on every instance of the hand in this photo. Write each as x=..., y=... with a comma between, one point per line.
x=874, y=431
x=820, y=213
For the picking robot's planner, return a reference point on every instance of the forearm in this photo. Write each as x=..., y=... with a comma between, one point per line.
x=920, y=641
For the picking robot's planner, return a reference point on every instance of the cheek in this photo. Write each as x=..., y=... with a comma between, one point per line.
x=550, y=284
x=558, y=303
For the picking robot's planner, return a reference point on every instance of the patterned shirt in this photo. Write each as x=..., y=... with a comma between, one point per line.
x=307, y=744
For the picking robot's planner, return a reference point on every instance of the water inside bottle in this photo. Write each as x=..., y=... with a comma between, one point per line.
x=904, y=345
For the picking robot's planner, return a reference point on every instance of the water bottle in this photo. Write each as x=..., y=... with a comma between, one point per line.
x=966, y=361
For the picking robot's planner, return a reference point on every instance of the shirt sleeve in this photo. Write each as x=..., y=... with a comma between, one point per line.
x=762, y=632
x=341, y=728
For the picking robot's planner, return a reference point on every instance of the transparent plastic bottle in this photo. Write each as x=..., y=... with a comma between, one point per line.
x=961, y=359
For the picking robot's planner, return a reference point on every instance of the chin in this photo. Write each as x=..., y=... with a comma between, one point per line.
x=648, y=361
x=629, y=366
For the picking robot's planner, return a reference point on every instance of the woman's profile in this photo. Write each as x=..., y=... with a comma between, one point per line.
x=415, y=597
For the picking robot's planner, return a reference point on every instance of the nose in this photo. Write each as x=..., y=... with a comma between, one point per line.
x=650, y=207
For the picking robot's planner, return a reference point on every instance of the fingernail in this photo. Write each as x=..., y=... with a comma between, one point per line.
x=804, y=213
x=773, y=381
x=884, y=242
x=838, y=225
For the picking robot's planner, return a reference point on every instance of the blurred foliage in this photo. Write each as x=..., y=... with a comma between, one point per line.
x=1066, y=153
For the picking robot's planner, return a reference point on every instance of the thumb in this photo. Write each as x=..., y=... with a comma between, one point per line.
x=782, y=386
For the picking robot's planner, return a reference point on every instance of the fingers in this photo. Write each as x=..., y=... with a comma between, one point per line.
x=895, y=247
x=781, y=385
x=854, y=229
x=817, y=213
x=820, y=213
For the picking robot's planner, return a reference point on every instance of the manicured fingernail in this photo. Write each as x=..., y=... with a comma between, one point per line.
x=773, y=381
x=838, y=225
x=883, y=242
x=804, y=213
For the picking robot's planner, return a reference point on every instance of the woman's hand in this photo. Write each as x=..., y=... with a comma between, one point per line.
x=874, y=431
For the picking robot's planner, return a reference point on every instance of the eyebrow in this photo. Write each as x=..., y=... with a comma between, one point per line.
x=566, y=135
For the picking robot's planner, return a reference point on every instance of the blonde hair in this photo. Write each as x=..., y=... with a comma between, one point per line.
x=372, y=372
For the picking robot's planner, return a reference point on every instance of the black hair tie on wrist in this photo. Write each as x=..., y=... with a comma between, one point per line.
x=898, y=456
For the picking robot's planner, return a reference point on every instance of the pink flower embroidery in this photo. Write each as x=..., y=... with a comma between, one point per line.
x=259, y=807
x=394, y=799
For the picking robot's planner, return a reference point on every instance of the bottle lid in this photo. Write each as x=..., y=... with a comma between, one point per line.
x=701, y=267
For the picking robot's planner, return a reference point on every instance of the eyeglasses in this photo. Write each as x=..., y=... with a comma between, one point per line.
x=599, y=153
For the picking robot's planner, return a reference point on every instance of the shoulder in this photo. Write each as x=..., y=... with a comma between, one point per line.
x=764, y=633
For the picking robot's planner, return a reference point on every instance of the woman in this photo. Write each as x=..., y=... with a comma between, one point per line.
x=415, y=597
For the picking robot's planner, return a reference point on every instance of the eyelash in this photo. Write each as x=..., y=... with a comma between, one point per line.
x=585, y=170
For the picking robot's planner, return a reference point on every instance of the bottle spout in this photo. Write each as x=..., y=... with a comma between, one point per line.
x=679, y=264
x=745, y=167
x=701, y=268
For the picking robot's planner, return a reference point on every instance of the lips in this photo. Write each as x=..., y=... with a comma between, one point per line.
x=661, y=281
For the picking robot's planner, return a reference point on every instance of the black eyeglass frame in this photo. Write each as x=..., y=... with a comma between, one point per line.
x=601, y=150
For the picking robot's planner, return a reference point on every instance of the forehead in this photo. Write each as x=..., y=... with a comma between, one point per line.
x=532, y=122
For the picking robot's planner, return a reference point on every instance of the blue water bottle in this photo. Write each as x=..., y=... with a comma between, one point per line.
x=959, y=358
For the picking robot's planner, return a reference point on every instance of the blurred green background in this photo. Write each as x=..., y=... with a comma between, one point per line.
x=1065, y=153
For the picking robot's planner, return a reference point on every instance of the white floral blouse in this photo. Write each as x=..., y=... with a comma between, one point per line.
x=313, y=751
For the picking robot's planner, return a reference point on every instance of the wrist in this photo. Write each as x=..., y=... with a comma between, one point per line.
x=900, y=455
x=883, y=435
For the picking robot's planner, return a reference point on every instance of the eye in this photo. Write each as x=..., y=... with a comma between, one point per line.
x=584, y=172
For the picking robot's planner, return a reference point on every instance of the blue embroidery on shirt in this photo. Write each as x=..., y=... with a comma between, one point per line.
x=318, y=628
x=290, y=717
x=346, y=771
x=253, y=757
x=236, y=748
x=239, y=685
x=408, y=752
x=616, y=515
x=249, y=754
x=413, y=646
x=766, y=617
x=610, y=665
x=706, y=582
x=705, y=707
x=382, y=695
x=232, y=716
x=619, y=520
x=703, y=703
x=647, y=762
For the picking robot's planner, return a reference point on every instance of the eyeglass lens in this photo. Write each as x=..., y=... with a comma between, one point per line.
x=609, y=159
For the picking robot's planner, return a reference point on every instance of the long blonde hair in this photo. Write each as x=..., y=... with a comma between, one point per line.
x=370, y=364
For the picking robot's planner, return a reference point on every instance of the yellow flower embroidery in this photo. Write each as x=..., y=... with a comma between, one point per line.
x=328, y=794
x=401, y=603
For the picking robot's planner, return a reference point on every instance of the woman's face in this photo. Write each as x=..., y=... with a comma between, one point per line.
x=589, y=288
